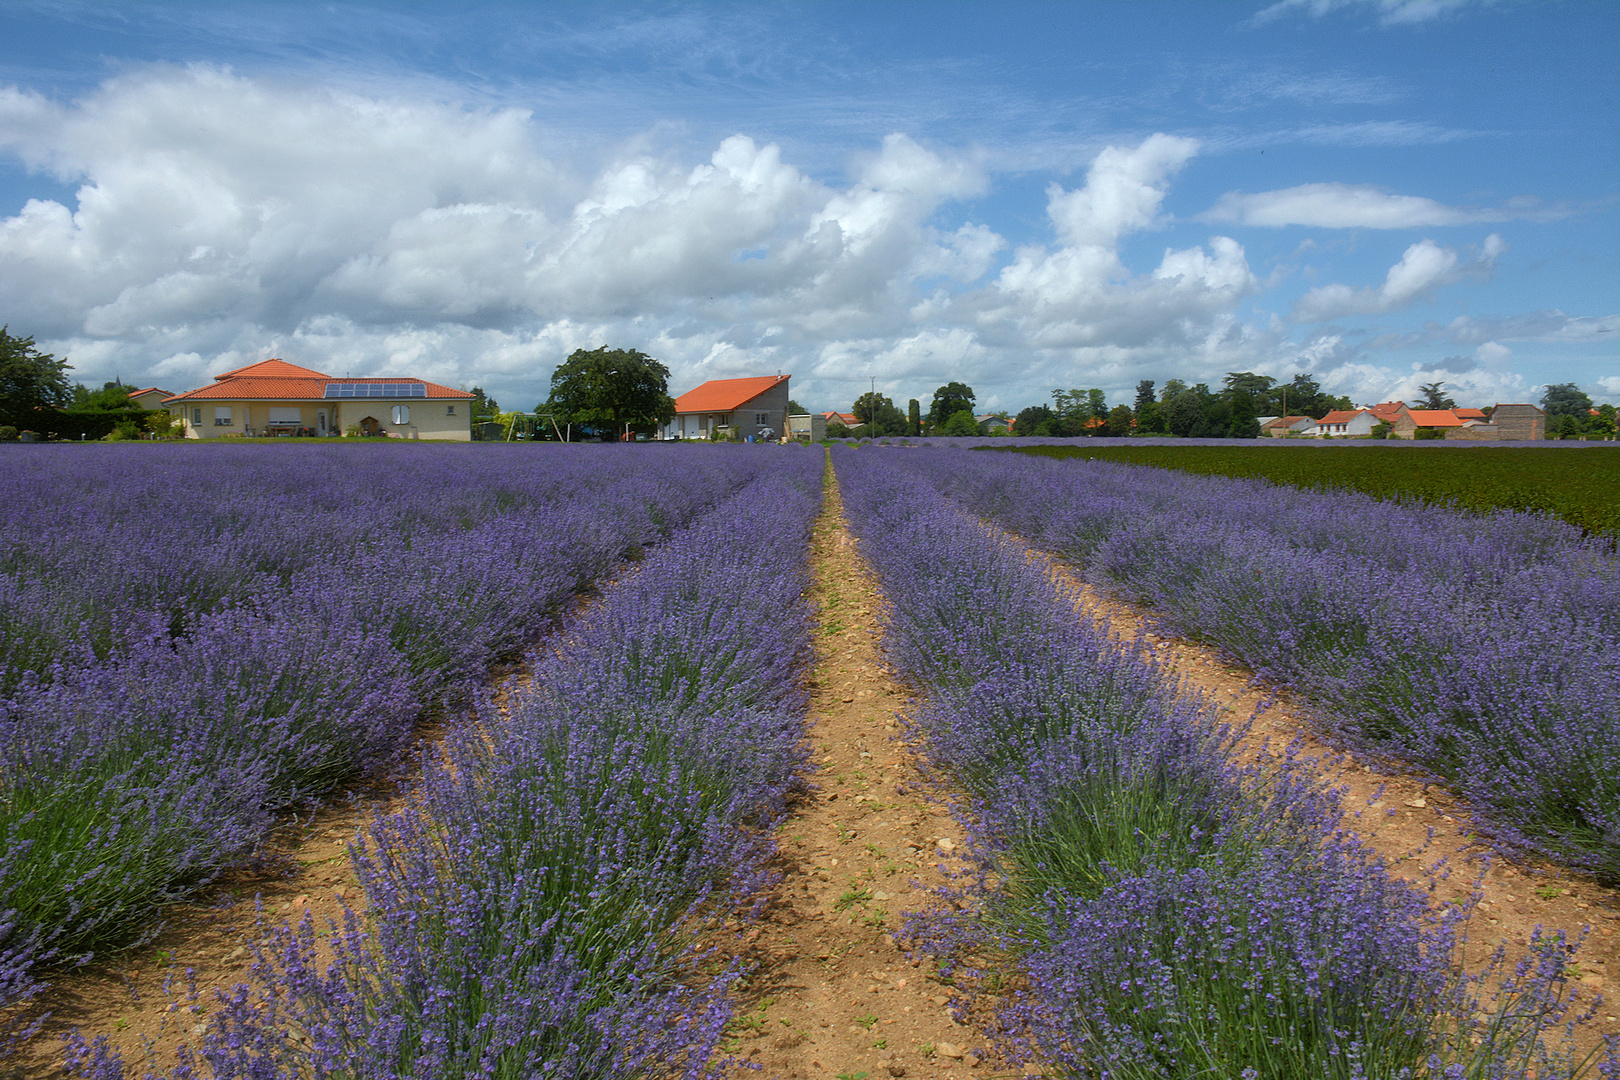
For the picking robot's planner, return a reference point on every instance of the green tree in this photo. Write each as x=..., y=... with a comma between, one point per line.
x=1183, y=413
x=878, y=416
x=610, y=388
x=949, y=400
x=1096, y=412
x=961, y=423
x=795, y=409
x=29, y=380
x=1603, y=423
x=1432, y=396
x=484, y=407
x=1144, y=395
x=112, y=395
x=1566, y=399
x=1120, y=421
x=913, y=417
x=1029, y=420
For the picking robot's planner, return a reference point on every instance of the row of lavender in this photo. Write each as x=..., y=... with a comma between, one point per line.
x=1176, y=914
x=193, y=639
x=543, y=907
x=1484, y=648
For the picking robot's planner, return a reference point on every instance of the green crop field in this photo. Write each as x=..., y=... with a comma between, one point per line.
x=1581, y=486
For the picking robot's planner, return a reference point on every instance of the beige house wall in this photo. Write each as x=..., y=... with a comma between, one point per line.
x=437, y=419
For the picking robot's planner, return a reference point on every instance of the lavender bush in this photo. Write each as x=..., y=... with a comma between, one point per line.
x=170, y=678
x=1176, y=915
x=539, y=909
x=1485, y=648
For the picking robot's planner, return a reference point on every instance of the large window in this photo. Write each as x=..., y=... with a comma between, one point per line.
x=196, y=416
x=402, y=414
x=222, y=416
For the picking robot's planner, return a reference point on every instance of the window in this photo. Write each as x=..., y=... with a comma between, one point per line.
x=196, y=416
x=402, y=414
x=222, y=416
x=761, y=419
x=449, y=410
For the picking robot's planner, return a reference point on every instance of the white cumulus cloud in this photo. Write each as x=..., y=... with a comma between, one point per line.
x=1424, y=268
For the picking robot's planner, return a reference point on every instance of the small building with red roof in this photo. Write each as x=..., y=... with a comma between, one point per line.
x=273, y=397
x=1433, y=422
x=149, y=398
x=752, y=408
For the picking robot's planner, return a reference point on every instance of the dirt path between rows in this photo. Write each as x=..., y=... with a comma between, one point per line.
x=834, y=993
x=1422, y=831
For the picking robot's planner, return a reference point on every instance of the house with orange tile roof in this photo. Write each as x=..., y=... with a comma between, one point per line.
x=273, y=397
x=747, y=409
x=1434, y=423
x=149, y=398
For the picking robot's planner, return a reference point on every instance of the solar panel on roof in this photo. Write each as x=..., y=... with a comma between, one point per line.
x=376, y=390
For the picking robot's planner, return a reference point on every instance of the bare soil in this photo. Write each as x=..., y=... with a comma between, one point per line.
x=834, y=991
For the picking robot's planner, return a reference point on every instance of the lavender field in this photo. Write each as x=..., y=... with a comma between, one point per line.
x=192, y=642
x=1484, y=649
x=196, y=642
x=1175, y=913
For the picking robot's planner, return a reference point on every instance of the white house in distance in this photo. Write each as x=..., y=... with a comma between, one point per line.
x=746, y=408
x=274, y=397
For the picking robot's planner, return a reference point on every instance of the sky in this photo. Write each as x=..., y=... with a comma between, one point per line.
x=1022, y=196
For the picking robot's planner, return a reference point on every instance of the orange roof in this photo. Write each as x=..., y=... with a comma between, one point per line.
x=273, y=369
x=277, y=380
x=845, y=418
x=148, y=390
x=1283, y=421
x=1469, y=414
x=723, y=395
x=257, y=388
x=1435, y=418
x=1386, y=410
x=1342, y=416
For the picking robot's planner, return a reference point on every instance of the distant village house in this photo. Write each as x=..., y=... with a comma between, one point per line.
x=274, y=397
x=748, y=409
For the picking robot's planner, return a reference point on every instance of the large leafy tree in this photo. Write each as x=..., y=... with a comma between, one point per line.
x=960, y=423
x=1029, y=421
x=29, y=380
x=950, y=399
x=609, y=388
x=113, y=395
x=878, y=415
x=484, y=405
x=1566, y=399
x=1433, y=396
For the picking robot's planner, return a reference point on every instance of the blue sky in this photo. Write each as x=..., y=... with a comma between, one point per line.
x=1382, y=193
